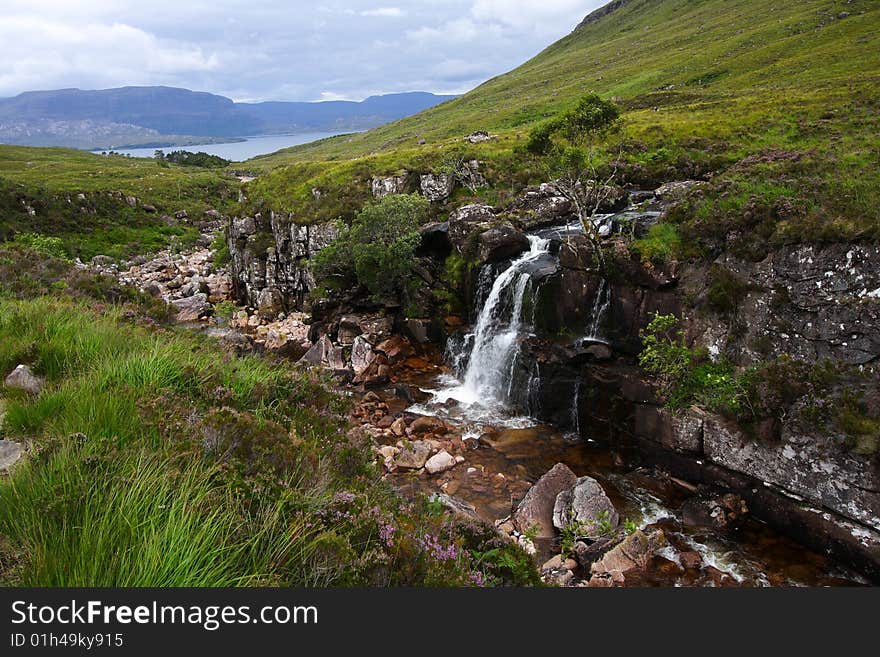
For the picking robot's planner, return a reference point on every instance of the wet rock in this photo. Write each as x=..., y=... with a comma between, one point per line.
x=440, y=462
x=192, y=308
x=690, y=560
x=809, y=466
x=633, y=553
x=23, y=378
x=586, y=552
x=541, y=206
x=427, y=424
x=437, y=187
x=413, y=456
x=501, y=243
x=395, y=349
x=718, y=511
x=679, y=432
x=536, y=508
x=435, y=239
x=586, y=506
x=10, y=454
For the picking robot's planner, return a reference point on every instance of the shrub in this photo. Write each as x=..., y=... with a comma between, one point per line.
x=685, y=377
x=378, y=250
x=661, y=244
x=42, y=244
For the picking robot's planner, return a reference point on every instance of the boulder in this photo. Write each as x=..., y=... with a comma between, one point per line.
x=413, y=456
x=419, y=330
x=435, y=238
x=427, y=424
x=440, y=462
x=478, y=137
x=677, y=190
x=23, y=378
x=586, y=506
x=633, y=553
x=319, y=353
x=10, y=454
x=536, y=508
x=349, y=329
x=383, y=186
x=501, y=243
x=362, y=355
x=437, y=187
x=467, y=219
x=192, y=308
x=395, y=349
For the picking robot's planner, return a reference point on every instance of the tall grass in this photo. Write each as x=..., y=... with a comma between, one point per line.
x=134, y=521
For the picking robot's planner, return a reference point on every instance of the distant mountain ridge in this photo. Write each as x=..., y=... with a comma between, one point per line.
x=152, y=112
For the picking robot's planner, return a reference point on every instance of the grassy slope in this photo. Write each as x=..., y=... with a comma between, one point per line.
x=49, y=180
x=699, y=66
x=703, y=84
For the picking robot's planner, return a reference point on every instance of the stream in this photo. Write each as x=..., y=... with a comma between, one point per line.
x=475, y=391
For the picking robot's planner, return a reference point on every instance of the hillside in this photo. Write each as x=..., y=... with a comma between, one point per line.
x=112, y=118
x=709, y=67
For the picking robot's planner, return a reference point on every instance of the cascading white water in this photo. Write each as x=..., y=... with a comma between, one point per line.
x=485, y=384
x=600, y=309
x=497, y=330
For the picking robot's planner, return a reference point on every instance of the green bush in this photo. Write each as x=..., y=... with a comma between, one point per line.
x=378, y=250
x=685, y=377
x=661, y=244
x=42, y=244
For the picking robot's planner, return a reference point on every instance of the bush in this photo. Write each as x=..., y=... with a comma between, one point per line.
x=378, y=250
x=660, y=244
x=42, y=244
x=685, y=377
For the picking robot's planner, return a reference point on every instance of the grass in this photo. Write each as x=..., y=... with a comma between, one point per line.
x=80, y=198
x=157, y=459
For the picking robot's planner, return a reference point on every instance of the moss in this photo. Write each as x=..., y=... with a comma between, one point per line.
x=726, y=291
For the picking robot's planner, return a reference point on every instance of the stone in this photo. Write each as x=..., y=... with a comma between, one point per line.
x=478, y=137
x=467, y=219
x=536, y=508
x=419, y=330
x=270, y=302
x=427, y=424
x=362, y=355
x=398, y=427
x=151, y=209
x=633, y=553
x=349, y=329
x=501, y=243
x=558, y=561
x=586, y=506
x=413, y=456
x=23, y=378
x=679, y=432
x=690, y=560
x=587, y=552
x=437, y=187
x=717, y=511
x=10, y=454
x=395, y=349
x=319, y=352
x=387, y=451
x=677, y=190
x=131, y=201
x=440, y=462
x=387, y=185
x=435, y=238
x=192, y=309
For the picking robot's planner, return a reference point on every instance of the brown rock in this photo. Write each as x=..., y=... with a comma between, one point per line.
x=536, y=508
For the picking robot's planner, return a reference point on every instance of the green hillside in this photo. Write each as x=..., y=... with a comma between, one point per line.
x=703, y=84
x=709, y=66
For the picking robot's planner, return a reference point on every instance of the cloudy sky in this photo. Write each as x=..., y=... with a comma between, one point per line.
x=275, y=49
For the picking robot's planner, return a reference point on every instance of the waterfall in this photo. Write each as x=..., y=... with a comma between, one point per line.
x=601, y=304
x=497, y=329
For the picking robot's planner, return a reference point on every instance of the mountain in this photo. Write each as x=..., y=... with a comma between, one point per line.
x=116, y=117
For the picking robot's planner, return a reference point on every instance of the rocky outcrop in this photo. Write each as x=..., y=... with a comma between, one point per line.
x=272, y=251
x=437, y=187
x=585, y=508
x=387, y=185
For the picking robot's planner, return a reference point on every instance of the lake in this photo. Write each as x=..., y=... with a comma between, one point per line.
x=239, y=151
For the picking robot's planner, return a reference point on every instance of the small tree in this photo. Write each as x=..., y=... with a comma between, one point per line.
x=378, y=249
x=570, y=143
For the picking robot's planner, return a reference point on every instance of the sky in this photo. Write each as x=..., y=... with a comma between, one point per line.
x=255, y=50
